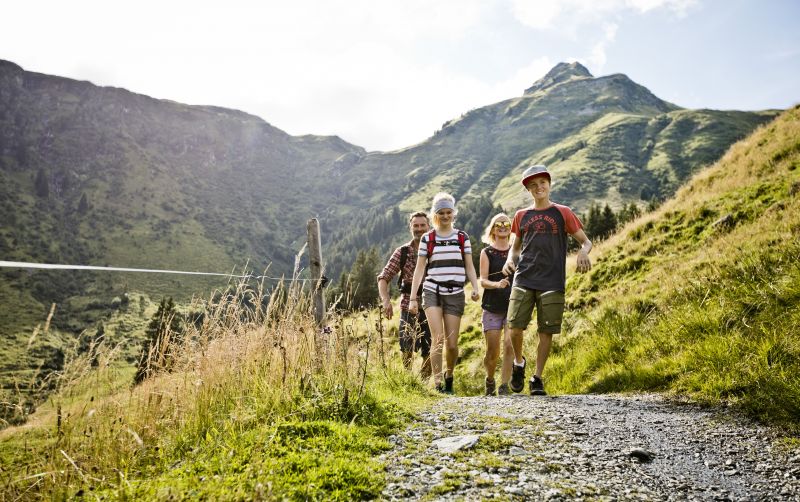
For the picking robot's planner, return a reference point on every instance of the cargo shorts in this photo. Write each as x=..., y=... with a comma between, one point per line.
x=549, y=309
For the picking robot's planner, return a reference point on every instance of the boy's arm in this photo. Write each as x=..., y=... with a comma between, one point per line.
x=513, y=255
x=583, y=261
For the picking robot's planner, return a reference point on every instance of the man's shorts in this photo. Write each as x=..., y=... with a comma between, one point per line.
x=450, y=304
x=549, y=309
x=492, y=321
x=415, y=335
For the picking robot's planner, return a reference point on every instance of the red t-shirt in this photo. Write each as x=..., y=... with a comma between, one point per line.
x=543, y=233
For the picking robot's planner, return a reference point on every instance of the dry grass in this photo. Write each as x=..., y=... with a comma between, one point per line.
x=249, y=364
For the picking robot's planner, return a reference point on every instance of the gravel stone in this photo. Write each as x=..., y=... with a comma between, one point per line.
x=582, y=448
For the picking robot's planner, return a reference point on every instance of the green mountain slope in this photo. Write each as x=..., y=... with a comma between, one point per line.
x=104, y=176
x=605, y=139
x=702, y=296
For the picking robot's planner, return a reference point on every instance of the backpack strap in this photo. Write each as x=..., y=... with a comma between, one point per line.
x=431, y=243
x=431, y=238
x=403, y=258
x=462, y=239
x=462, y=243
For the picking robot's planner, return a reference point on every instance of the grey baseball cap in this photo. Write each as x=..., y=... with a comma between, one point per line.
x=533, y=171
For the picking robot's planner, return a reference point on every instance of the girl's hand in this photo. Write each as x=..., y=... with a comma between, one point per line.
x=475, y=296
x=413, y=308
x=503, y=283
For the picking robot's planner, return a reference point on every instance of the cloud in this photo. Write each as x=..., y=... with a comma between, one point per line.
x=568, y=15
x=539, y=15
x=597, y=58
x=380, y=73
x=679, y=7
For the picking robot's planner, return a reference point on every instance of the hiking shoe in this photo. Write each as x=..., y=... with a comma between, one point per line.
x=440, y=388
x=489, y=387
x=448, y=385
x=503, y=390
x=537, y=386
x=518, y=376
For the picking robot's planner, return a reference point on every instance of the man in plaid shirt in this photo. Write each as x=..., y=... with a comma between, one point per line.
x=414, y=333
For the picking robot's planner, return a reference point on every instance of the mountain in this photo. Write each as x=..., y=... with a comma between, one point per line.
x=604, y=139
x=103, y=176
x=697, y=300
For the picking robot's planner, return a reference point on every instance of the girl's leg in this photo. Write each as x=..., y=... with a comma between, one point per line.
x=452, y=325
x=434, y=315
x=492, y=352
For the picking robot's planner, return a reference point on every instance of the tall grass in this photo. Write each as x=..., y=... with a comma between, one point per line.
x=713, y=312
x=259, y=403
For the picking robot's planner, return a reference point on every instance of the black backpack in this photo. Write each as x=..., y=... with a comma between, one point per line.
x=403, y=286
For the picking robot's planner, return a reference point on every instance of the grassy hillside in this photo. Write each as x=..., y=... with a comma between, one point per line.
x=700, y=298
x=254, y=409
x=104, y=176
x=607, y=139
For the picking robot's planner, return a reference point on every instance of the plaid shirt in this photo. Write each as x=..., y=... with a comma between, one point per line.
x=393, y=267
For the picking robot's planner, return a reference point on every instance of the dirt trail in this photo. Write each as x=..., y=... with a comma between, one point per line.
x=589, y=447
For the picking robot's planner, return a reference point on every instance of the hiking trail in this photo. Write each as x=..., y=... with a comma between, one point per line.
x=591, y=447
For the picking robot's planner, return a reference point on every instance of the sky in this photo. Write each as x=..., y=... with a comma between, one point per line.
x=386, y=75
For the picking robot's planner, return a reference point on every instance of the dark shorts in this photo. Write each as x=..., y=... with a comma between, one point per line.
x=450, y=304
x=549, y=309
x=415, y=335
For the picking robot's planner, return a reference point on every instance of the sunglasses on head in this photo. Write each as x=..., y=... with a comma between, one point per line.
x=501, y=224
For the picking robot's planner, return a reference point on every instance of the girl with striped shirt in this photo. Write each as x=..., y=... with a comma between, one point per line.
x=442, y=273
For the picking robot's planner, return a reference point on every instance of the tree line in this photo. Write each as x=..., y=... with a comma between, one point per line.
x=357, y=287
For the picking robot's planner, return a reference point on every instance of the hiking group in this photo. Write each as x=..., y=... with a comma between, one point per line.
x=522, y=268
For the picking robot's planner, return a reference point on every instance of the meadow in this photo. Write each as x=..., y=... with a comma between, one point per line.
x=698, y=299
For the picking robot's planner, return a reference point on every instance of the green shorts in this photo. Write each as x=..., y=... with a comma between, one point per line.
x=549, y=309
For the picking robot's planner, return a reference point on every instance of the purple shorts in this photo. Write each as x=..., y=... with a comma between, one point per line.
x=492, y=321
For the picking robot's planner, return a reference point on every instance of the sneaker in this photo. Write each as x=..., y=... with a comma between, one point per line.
x=440, y=388
x=489, y=387
x=537, y=386
x=518, y=376
x=448, y=385
x=503, y=390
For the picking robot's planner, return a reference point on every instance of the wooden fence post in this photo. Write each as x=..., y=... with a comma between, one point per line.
x=315, y=258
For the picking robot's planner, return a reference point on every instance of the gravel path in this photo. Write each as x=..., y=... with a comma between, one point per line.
x=591, y=448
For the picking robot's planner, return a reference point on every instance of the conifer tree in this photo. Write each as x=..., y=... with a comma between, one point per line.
x=609, y=221
x=83, y=205
x=363, y=279
x=41, y=184
x=163, y=333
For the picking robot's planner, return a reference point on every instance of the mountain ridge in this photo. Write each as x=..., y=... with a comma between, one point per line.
x=168, y=185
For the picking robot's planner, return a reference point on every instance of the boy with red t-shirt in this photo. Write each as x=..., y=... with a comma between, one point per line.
x=538, y=257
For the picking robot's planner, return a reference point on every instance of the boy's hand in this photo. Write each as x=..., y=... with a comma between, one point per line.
x=509, y=268
x=583, y=262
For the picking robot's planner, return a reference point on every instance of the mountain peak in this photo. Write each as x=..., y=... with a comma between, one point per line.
x=562, y=72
